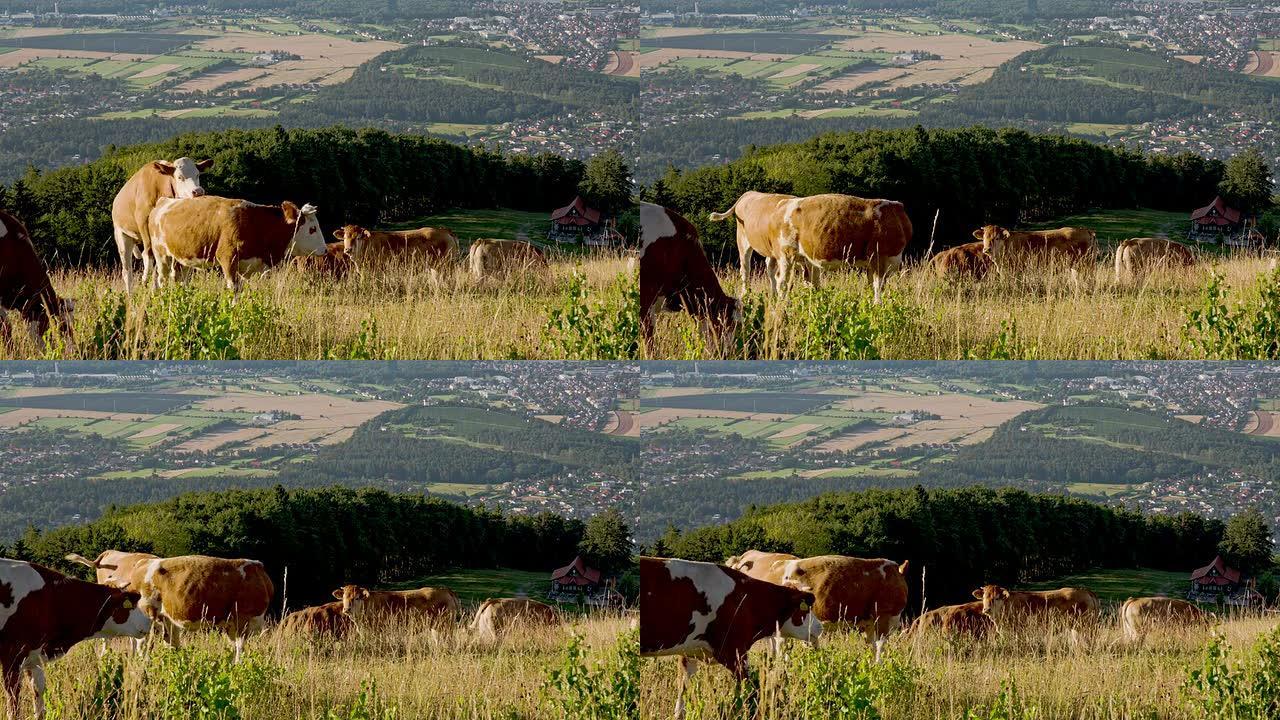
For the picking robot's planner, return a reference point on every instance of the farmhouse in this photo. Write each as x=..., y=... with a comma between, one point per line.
x=577, y=581
x=1218, y=222
x=579, y=223
x=1218, y=583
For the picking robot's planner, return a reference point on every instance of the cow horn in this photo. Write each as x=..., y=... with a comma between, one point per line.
x=309, y=209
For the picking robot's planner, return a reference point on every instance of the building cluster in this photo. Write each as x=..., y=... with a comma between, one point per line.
x=1218, y=135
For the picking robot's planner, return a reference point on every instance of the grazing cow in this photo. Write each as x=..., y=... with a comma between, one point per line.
x=328, y=620
x=1138, y=615
x=334, y=264
x=765, y=566
x=117, y=569
x=1014, y=250
x=498, y=615
x=868, y=594
x=131, y=210
x=43, y=613
x=1138, y=255
x=965, y=619
x=702, y=611
x=25, y=284
x=820, y=231
x=237, y=236
x=434, y=604
x=494, y=258
x=673, y=266
x=962, y=261
x=437, y=247
x=1018, y=605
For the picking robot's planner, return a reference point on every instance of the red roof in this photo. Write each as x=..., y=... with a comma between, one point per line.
x=1215, y=573
x=576, y=573
x=1216, y=213
x=576, y=213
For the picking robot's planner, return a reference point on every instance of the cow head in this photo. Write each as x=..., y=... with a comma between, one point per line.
x=184, y=175
x=352, y=597
x=352, y=237
x=993, y=598
x=797, y=620
x=993, y=238
x=124, y=614
x=795, y=576
x=307, y=238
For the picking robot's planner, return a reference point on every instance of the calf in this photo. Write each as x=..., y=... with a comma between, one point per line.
x=1138, y=615
x=1136, y=256
x=701, y=611
x=433, y=604
x=44, y=613
x=25, y=285
x=868, y=594
x=496, y=616
x=673, y=266
x=334, y=264
x=1017, y=606
x=1015, y=250
x=435, y=247
x=131, y=209
x=497, y=258
x=237, y=236
x=965, y=619
x=968, y=261
x=820, y=232
x=324, y=620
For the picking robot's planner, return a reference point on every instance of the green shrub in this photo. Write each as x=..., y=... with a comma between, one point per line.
x=606, y=328
x=190, y=322
x=1248, y=688
x=366, y=345
x=1007, y=345
x=195, y=683
x=844, y=681
x=1008, y=705
x=609, y=689
x=840, y=324
x=1248, y=331
x=366, y=706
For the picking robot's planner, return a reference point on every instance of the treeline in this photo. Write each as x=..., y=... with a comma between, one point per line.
x=973, y=176
x=961, y=538
x=323, y=537
x=365, y=176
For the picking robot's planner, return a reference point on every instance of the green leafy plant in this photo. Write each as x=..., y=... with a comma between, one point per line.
x=840, y=324
x=1006, y=345
x=197, y=683
x=1248, y=331
x=608, y=689
x=366, y=345
x=1248, y=688
x=845, y=681
x=604, y=328
x=1008, y=705
x=366, y=706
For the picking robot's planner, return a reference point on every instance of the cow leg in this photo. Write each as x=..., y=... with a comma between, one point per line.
x=688, y=666
x=125, y=246
x=744, y=264
x=783, y=277
x=35, y=669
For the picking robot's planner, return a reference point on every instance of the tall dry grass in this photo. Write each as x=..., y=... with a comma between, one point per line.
x=1045, y=314
x=416, y=315
x=400, y=669
x=1046, y=672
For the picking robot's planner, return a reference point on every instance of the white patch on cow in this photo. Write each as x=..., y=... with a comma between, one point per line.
x=808, y=630
x=153, y=567
x=186, y=178
x=22, y=580
x=655, y=224
x=784, y=239
x=307, y=238
x=136, y=625
x=714, y=584
x=884, y=568
x=788, y=576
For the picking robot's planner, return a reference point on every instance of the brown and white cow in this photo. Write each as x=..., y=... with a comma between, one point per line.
x=1019, y=606
x=131, y=209
x=760, y=565
x=335, y=264
x=820, y=232
x=435, y=604
x=116, y=568
x=237, y=236
x=326, y=620
x=967, y=261
x=434, y=247
x=496, y=616
x=44, y=613
x=25, y=285
x=964, y=619
x=1013, y=250
x=703, y=611
x=674, y=267
x=488, y=257
x=1139, y=615
x=867, y=594
x=231, y=595
x=1136, y=256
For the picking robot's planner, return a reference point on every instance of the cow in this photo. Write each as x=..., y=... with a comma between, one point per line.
x=1138, y=255
x=335, y=264
x=765, y=566
x=488, y=257
x=703, y=611
x=1015, y=250
x=434, y=604
x=1018, y=606
x=436, y=247
x=237, y=236
x=44, y=613
x=131, y=209
x=498, y=615
x=1138, y=615
x=819, y=232
x=115, y=568
x=25, y=285
x=967, y=261
x=674, y=267
x=867, y=594
x=326, y=620
x=964, y=619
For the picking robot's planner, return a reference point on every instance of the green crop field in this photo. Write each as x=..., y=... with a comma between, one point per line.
x=752, y=42
x=115, y=402
x=754, y=402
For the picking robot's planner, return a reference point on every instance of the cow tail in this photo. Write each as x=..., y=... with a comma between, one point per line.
x=902, y=567
x=82, y=560
x=717, y=217
x=1119, y=261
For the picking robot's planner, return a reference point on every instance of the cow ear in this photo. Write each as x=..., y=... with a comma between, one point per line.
x=204, y=164
x=290, y=212
x=337, y=594
x=977, y=234
x=340, y=234
x=746, y=565
x=1004, y=593
x=977, y=594
x=163, y=167
x=366, y=233
x=364, y=592
x=1004, y=233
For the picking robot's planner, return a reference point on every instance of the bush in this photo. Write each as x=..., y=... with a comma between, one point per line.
x=839, y=324
x=607, y=690
x=196, y=683
x=366, y=706
x=1248, y=688
x=1008, y=705
x=1248, y=331
x=606, y=329
x=844, y=681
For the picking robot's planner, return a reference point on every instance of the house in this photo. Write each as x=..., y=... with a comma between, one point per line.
x=1218, y=583
x=575, y=579
x=581, y=224
x=1218, y=222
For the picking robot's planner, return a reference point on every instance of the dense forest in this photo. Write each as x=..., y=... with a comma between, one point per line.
x=363, y=176
x=962, y=538
x=972, y=175
x=323, y=537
